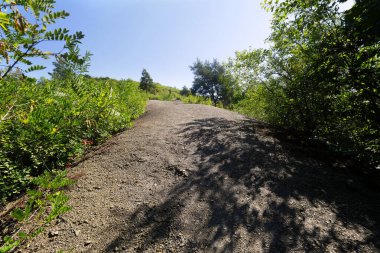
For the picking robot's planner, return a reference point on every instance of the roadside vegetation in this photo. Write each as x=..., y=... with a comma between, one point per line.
x=48, y=124
x=156, y=91
x=319, y=76
x=167, y=93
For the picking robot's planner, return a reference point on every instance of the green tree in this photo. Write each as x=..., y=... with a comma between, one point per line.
x=363, y=21
x=24, y=27
x=320, y=75
x=211, y=81
x=185, y=91
x=146, y=82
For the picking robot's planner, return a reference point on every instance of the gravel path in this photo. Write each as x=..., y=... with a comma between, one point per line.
x=194, y=178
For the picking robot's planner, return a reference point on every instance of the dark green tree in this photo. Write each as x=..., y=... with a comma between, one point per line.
x=146, y=82
x=322, y=71
x=363, y=21
x=185, y=91
x=211, y=81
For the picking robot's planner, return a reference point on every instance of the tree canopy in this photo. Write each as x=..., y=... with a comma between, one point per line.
x=320, y=75
x=212, y=81
x=185, y=91
x=146, y=82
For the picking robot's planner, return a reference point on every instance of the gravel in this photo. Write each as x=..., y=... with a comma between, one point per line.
x=194, y=178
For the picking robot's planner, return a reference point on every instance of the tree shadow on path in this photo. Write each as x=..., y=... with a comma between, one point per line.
x=252, y=192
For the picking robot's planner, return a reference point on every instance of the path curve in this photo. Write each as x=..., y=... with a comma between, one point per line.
x=194, y=178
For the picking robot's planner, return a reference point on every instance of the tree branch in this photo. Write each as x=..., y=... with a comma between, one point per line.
x=19, y=58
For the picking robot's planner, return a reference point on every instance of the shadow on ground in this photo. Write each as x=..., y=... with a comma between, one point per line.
x=254, y=193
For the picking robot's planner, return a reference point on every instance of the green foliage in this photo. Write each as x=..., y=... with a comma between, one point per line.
x=52, y=181
x=212, y=81
x=24, y=28
x=70, y=64
x=9, y=244
x=191, y=99
x=185, y=91
x=46, y=125
x=165, y=93
x=146, y=82
x=44, y=203
x=35, y=136
x=320, y=75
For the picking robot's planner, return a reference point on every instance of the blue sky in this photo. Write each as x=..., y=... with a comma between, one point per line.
x=163, y=36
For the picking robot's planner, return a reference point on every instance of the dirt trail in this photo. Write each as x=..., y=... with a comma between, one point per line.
x=194, y=178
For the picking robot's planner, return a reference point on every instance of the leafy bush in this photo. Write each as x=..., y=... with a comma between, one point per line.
x=320, y=79
x=44, y=203
x=164, y=93
x=45, y=125
x=191, y=99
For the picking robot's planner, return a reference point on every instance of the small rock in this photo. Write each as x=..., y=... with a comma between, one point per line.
x=97, y=188
x=181, y=172
x=53, y=234
x=88, y=242
x=83, y=222
x=62, y=219
x=76, y=232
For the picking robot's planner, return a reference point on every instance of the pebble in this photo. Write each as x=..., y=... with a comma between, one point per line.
x=88, y=242
x=76, y=232
x=53, y=234
x=61, y=219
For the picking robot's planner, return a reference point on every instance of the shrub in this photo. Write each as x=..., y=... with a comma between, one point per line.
x=46, y=125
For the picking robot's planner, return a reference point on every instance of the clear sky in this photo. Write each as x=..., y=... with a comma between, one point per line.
x=163, y=36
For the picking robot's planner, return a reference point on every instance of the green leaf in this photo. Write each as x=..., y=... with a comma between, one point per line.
x=18, y=214
x=35, y=68
x=4, y=20
x=22, y=235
